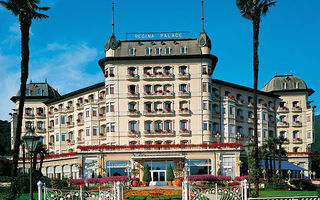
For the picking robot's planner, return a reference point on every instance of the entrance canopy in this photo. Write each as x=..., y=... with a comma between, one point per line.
x=285, y=165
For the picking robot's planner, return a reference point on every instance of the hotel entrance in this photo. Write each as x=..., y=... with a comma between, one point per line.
x=158, y=175
x=158, y=170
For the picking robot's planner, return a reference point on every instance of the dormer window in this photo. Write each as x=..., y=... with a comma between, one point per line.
x=183, y=50
x=284, y=85
x=148, y=51
x=40, y=92
x=28, y=92
x=168, y=50
x=295, y=85
x=158, y=51
x=132, y=51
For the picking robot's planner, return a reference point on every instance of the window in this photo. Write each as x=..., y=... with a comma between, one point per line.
x=87, y=131
x=167, y=125
x=295, y=134
x=295, y=104
x=231, y=108
x=295, y=85
x=183, y=87
x=158, y=125
x=132, y=125
x=284, y=85
x=148, y=51
x=148, y=125
x=132, y=51
x=168, y=50
x=205, y=126
x=107, y=89
x=94, y=131
x=204, y=69
x=111, y=106
x=94, y=112
x=183, y=124
x=250, y=131
x=308, y=118
x=295, y=149
x=39, y=92
x=158, y=50
x=111, y=89
x=182, y=69
x=57, y=120
x=264, y=116
x=183, y=50
x=205, y=105
x=57, y=137
x=87, y=112
x=282, y=118
x=309, y=134
x=63, y=137
x=204, y=87
x=112, y=127
x=63, y=119
x=28, y=92
x=295, y=118
x=282, y=134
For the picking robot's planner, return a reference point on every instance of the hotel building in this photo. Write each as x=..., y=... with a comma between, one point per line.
x=159, y=106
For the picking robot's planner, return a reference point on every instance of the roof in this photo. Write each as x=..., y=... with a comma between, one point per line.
x=112, y=59
x=285, y=165
x=38, y=91
x=240, y=87
x=86, y=89
x=286, y=83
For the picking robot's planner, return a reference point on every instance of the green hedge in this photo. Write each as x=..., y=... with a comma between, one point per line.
x=162, y=197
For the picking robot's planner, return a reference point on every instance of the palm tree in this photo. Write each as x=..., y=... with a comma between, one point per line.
x=253, y=9
x=265, y=154
x=280, y=141
x=26, y=10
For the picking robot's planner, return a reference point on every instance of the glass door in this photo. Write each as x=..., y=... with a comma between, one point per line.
x=158, y=175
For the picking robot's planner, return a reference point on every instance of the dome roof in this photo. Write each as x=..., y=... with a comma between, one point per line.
x=46, y=90
x=111, y=43
x=204, y=40
x=285, y=82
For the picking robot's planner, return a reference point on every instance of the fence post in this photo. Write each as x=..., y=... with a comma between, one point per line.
x=119, y=191
x=44, y=191
x=40, y=190
x=80, y=192
x=185, y=190
x=245, y=195
x=216, y=191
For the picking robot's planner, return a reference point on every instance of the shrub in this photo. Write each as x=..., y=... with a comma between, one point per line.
x=303, y=184
x=275, y=185
x=146, y=174
x=170, y=175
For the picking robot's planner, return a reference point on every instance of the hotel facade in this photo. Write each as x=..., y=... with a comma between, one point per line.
x=159, y=105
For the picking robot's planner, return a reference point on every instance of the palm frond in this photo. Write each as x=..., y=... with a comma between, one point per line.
x=266, y=7
x=37, y=15
x=43, y=8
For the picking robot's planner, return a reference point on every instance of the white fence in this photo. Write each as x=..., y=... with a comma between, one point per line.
x=114, y=193
x=287, y=198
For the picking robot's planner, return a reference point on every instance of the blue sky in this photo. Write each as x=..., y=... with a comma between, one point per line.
x=66, y=48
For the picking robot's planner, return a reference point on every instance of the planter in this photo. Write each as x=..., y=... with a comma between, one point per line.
x=135, y=183
x=178, y=182
x=170, y=183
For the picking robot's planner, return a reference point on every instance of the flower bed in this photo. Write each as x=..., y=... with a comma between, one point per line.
x=208, y=177
x=100, y=180
x=152, y=194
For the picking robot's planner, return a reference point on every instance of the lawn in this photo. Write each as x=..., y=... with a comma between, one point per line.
x=22, y=197
x=280, y=193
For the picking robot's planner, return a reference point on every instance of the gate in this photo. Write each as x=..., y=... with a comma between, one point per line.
x=192, y=192
x=114, y=193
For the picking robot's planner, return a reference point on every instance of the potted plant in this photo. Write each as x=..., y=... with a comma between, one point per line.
x=146, y=175
x=170, y=175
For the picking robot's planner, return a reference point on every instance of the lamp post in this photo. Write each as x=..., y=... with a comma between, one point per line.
x=31, y=140
x=186, y=169
x=249, y=148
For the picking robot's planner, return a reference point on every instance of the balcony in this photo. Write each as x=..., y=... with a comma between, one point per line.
x=148, y=113
x=283, y=110
x=158, y=76
x=133, y=113
x=70, y=142
x=29, y=116
x=168, y=112
x=167, y=76
x=80, y=106
x=250, y=120
x=133, y=133
x=185, y=132
x=133, y=95
x=159, y=133
x=102, y=116
x=297, y=109
x=297, y=141
x=69, y=109
x=50, y=114
x=70, y=124
x=240, y=101
x=271, y=108
x=91, y=101
x=297, y=124
x=133, y=77
x=184, y=94
x=168, y=93
x=216, y=114
x=40, y=115
x=80, y=122
x=101, y=100
x=271, y=123
x=240, y=118
x=283, y=124
x=148, y=94
x=250, y=104
x=41, y=130
x=183, y=76
x=51, y=128
x=184, y=111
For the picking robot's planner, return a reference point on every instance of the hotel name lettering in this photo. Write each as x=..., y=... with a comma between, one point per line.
x=158, y=36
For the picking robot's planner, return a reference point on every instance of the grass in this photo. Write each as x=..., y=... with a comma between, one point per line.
x=22, y=197
x=276, y=193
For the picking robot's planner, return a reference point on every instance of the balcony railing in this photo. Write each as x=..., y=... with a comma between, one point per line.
x=250, y=120
x=90, y=101
x=283, y=109
x=297, y=141
x=69, y=108
x=159, y=133
x=101, y=100
x=133, y=77
x=183, y=76
x=184, y=111
x=283, y=124
x=40, y=130
x=80, y=122
x=41, y=115
x=184, y=94
x=29, y=116
x=133, y=133
x=297, y=109
x=133, y=113
x=133, y=95
x=50, y=114
x=80, y=106
x=102, y=116
x=297, y=124
x=185, y=132
x=70, y=124
x=51, y=128
x=158, y=76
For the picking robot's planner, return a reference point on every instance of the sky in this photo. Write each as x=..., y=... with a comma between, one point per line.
x=66, y=47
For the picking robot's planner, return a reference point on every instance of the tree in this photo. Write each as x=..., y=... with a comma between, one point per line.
x=26, y=10
x=265, y=154
x=146, y=174
x=170, y=175
x=252, y=10
x=280, y=141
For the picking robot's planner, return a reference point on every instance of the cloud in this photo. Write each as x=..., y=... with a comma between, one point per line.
x=14, y=35
x=66, y=66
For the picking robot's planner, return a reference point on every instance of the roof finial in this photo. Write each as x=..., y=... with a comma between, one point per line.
x=30, y=80
x=291, y=72
x=45, y=80
x=112, y=17
x=202, y=18
x=276, y=74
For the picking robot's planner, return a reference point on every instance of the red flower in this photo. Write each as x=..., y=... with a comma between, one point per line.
x=49, y=112
x=131, y=74
x=168, y=109
x=156, y=109
x=184, y=90
x=148, y=109
x=284, y=107
x=100, y=97
x=147, y=91
x=50, y=143
x=265, y=104
x=314, y=107
x=308, y=106
x=167, y=73
x=132, y=130
x=27, y=113
x=218, y=112
x=49, y=126
x=111, y=74
x=204, y=72
x=100, y=114
x=78, y=120
x=242, y=116
x=106, y=75
x=147, y=73
x=232, y=97
x=131, y=92
x=167, y=91
x=68, y=140
x=78, y=104
x=284, y=122
x=183, y=72
x=184, y=129
x=186, y=109
x=241, y=100
x=272, y=107
x=168, y=130
x=101, y=134
x=181, y=109
x=297, y=106
x=217, y=95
